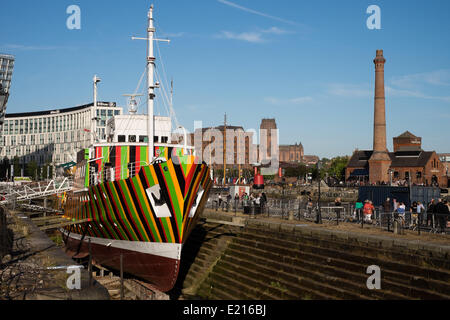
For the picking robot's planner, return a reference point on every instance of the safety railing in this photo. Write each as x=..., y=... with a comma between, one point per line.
x=107, y=173
x=301, y=210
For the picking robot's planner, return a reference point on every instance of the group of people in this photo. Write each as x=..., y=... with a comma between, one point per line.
x=364, y=210
x=435, y=214
x=256, y=200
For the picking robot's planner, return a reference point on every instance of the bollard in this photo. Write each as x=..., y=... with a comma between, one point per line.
x=291, y=215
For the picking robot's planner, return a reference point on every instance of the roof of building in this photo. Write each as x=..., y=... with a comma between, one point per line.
x=415, y=158
x=407, y=134
x=7, y=56
x=101, y=104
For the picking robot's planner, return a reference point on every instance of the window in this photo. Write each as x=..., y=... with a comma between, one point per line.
x=164, y=139
x=121, y=138
x=110, y=113
x=419, y=175
x=131, y=138
x=155, y=139
x=143, y=139
x=116, y=112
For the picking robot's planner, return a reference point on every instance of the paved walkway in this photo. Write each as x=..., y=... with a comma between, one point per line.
x=24, y=274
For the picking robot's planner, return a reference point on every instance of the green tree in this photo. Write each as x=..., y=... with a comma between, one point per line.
x=337, y=167
x=31, y=170
x=17, y=167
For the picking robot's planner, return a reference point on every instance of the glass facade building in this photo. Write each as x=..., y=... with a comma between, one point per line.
x=6, y=70
x=53, y=136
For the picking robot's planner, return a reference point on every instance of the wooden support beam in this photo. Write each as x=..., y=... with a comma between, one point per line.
x=61, y=225
x=45, y=219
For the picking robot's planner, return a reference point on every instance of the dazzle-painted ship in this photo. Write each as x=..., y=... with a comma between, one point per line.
x=137, y=195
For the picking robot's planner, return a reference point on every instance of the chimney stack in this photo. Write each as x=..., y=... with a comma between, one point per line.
x=380, y=161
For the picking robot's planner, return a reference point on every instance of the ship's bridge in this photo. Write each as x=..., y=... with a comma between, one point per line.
x=133, y=129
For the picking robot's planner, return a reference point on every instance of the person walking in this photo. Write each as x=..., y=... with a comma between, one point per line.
x=368, y=211
x=430, y=208
x=359, y=209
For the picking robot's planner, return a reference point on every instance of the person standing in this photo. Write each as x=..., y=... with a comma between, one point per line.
x=387, y=206
x=359, y=209
x=368, y=211
x=430, y=209
x=395, y=204
x=338, y=203
x=220, y=200
x=442, y=211
x=413, y=211
x=420, y=212
x=401, y=212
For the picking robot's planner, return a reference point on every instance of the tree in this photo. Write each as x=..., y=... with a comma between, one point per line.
x=337, y=167
x=17, y=167
x=298, y=171
x=31, y=170
x=5, y=167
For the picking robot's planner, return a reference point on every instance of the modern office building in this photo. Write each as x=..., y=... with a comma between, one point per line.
x=54, y=136
x=6, y=70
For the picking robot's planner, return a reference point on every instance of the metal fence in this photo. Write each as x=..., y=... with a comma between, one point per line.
x=299, y=210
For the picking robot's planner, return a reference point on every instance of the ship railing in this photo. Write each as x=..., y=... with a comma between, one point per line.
x=109, y=173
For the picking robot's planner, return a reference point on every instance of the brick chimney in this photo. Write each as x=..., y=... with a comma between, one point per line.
x=380, y=161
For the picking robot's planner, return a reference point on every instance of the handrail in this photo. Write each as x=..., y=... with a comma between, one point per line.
x=115, y=173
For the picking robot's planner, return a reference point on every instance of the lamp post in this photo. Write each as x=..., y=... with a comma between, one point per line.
x=319, y=213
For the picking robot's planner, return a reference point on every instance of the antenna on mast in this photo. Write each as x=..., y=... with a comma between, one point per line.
x=132, y=102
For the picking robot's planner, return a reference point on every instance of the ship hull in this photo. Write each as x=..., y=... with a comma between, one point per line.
x=156, y=263
x=145, y=218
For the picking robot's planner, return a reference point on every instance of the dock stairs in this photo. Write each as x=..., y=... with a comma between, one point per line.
x=275, y=262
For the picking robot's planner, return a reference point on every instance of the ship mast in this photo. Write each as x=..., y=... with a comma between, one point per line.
x=151, y=87
x=150, y=83
x=225, y=149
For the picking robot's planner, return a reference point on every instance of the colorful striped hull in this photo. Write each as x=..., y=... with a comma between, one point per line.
x=147, y=218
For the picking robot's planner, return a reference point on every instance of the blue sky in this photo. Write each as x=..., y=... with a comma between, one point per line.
x=306, y=63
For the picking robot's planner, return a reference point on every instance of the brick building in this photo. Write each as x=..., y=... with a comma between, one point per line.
x=292, y=153
x=409, y=163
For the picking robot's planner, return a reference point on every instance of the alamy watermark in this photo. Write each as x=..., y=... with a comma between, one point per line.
x=374, y=21
x=74, y=20
x=241, y=147
x=374, y=281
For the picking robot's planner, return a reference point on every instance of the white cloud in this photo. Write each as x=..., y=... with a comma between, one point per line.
x=239, y=7
x=291, y=101
x=253, y=37
x=436, y=78
x=29, y=48
x=259, y=36
x=174, y=35
x=275, y=30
